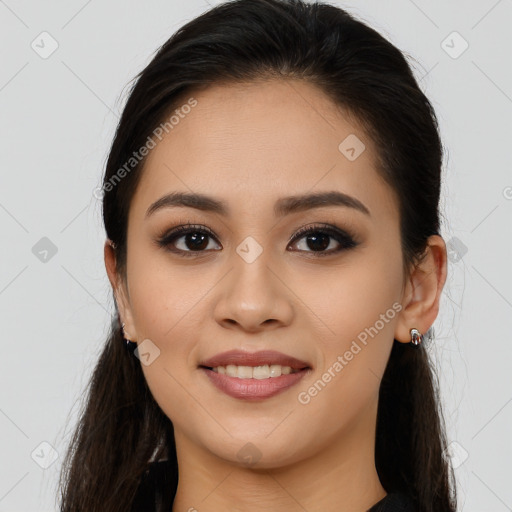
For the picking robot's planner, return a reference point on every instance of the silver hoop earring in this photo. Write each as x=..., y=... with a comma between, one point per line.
x=130, y=345
x=416, y=337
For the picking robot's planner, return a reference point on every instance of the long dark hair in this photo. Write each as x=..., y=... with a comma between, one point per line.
x=121, y=428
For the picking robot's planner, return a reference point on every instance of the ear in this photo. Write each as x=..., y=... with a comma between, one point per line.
x=423, y=291
x=120, y=291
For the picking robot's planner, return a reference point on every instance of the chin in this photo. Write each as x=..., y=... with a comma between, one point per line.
x=258, y=451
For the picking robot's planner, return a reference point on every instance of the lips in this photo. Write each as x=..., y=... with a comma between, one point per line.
x=241, y=358
x=252, y=388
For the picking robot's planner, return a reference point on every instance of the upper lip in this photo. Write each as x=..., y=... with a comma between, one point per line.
x=241, y=358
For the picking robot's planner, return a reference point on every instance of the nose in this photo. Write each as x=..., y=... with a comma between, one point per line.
x=253, y=297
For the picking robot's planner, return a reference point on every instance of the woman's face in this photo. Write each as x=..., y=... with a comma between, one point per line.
x=243, y=279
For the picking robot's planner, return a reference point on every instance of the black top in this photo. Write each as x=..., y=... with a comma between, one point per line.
x=160, y=476
x=393, y=502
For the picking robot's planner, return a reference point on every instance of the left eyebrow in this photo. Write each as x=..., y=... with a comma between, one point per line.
x=283, y=206
x=292, y=204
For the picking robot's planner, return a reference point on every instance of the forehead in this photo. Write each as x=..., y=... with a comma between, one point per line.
x=249, y=144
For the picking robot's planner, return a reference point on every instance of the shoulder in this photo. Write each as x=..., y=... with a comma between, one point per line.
x=394, y=502
x=160, y=477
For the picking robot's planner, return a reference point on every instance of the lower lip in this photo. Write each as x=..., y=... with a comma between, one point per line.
x=253, y=389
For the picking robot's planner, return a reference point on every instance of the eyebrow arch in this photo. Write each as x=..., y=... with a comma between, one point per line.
x=283, y=206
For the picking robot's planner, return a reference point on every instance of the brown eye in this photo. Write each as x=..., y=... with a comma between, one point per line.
x=194, y=239
x=320, y=238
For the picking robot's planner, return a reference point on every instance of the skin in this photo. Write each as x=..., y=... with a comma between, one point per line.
x=248, y=146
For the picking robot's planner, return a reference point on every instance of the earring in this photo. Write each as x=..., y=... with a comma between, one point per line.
x=416, y=337
x=130, y=345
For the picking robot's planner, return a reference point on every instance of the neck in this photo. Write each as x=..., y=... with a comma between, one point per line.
x=339, y=477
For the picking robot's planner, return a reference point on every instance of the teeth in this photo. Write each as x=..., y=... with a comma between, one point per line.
x=254, y=372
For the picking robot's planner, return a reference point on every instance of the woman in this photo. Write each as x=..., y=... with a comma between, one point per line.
x=271, y=208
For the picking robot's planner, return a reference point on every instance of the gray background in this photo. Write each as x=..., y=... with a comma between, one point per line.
x=58, y=116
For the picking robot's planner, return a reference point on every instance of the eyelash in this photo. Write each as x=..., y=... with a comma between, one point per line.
x=344, y=238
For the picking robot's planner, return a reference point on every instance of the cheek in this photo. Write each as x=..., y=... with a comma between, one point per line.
x=165, y=295
x=347, y=299
x=354, y=311
x=167, y=310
